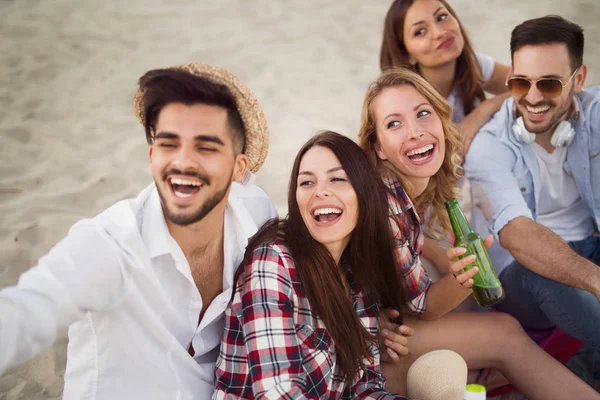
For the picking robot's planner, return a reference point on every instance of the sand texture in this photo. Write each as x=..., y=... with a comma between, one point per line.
x=71, y=145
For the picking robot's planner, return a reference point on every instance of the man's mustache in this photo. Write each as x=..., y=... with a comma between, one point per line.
x=542, y=103
x=192, y=174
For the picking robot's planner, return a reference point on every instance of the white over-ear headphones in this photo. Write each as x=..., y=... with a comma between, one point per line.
x=562, y=136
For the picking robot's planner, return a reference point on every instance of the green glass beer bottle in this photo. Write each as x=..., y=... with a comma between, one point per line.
x=487, y=288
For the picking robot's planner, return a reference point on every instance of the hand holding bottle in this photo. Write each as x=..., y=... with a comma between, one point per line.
x=457, y=267
x=487, y=289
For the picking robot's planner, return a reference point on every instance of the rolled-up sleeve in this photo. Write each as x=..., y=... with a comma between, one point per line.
x=489, y=166
x=82, y=273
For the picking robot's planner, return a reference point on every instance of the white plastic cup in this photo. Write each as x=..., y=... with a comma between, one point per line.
x=475, y=392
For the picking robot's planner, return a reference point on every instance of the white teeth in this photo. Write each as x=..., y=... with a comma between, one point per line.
x=184, y=182
x=321, y=211
x=420, y=151
x=537, y=110
x=182, y=195
x=178, y=181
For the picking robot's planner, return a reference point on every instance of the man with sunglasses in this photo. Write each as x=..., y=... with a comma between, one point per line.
x=535, y=175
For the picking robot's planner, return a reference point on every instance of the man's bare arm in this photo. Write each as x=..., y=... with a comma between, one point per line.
x=543, y=252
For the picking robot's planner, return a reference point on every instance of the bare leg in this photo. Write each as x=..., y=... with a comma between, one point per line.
x=488, y=377
x=491, y=340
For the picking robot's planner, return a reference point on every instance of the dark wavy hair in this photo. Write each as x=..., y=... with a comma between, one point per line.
x=468, y=76
x=369, y=254
x=161, y=87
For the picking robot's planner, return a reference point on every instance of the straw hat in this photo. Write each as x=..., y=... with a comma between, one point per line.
x=255, y=124
x=439, y=374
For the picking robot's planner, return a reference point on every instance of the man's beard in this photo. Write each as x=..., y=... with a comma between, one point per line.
x=207, y=207
x=555, y=119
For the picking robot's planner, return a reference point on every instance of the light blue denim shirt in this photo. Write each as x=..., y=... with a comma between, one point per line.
x=504, y=173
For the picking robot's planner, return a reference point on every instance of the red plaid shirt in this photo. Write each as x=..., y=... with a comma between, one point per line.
x=408, y=242
x=274, y=347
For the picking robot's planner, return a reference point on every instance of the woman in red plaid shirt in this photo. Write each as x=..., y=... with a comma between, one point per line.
x=407, y=133
x=303, y=320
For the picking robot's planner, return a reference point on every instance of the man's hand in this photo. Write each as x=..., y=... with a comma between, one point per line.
x=393, y=338
x=464, y=278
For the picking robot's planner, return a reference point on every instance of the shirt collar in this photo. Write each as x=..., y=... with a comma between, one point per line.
x=394, y=184
x=239, y=226
x=155, y=233
x=577, y=114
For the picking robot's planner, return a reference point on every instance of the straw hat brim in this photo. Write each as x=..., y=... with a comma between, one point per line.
x=439, y=374
x=253, y=118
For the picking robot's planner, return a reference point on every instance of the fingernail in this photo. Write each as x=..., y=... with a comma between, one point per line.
x=385, y=332
x=403, y=329
x=475, y=269
x=388, y=342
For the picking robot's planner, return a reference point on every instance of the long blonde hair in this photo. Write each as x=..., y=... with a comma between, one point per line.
x=442, y=185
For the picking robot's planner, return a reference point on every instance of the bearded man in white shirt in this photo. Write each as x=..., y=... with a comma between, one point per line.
x=144, y=285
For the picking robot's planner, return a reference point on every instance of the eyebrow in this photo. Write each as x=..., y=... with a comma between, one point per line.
x=328, y=171
x=421, y=22
x=197, y=138
x=551, y=76
x=399, y=114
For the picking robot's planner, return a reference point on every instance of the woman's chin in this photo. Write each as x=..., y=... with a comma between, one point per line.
x=424, y=171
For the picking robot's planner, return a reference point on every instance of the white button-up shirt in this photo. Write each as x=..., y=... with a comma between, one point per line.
x=125, y=288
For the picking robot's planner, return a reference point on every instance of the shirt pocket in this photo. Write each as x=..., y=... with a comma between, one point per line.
x=318, y=350
x=312, y=338
x=525, y=183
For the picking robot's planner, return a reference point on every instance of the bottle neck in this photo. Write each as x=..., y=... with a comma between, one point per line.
x=460, y=225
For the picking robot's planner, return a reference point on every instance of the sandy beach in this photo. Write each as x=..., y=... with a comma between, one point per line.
x=71, y=145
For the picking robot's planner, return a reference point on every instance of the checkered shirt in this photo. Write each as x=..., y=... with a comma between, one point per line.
x=408, y=242
x=274, y=347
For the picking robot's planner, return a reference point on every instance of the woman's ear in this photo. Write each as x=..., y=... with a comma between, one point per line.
x=380, y=152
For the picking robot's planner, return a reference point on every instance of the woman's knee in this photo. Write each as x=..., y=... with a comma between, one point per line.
x=509, y=322
x=506, y=328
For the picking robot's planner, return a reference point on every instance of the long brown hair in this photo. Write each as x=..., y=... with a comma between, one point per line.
x=468, y=76
x=368, y=255
x=442, y=185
